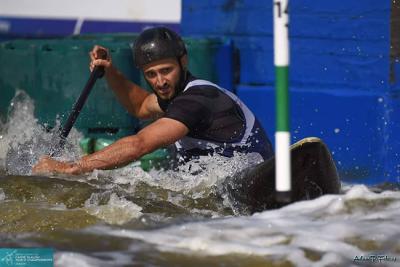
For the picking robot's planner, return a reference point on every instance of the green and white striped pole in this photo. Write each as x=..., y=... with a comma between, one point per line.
x=282, y=135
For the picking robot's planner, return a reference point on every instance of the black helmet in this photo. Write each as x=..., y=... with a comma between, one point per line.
x=157, y=43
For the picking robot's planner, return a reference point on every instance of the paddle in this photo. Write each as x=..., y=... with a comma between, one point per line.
x=97, y=73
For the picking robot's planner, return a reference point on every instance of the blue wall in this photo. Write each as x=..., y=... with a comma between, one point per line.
x=340, y=75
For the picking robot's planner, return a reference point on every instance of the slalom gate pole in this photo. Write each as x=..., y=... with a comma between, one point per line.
x=282, y=134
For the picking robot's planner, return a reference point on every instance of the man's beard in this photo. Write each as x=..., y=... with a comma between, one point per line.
x=176, y=89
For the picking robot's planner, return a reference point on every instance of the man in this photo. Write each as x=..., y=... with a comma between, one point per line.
x=198, y=116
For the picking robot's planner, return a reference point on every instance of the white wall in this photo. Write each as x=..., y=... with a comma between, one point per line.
x=127, y=10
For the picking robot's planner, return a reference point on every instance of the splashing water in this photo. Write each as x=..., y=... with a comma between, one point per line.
x=24, y=140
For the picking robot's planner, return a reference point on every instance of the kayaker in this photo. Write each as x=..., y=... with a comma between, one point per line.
x=199, y=117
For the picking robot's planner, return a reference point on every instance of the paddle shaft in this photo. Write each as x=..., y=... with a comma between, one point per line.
x=76, y=109
x=97, y=73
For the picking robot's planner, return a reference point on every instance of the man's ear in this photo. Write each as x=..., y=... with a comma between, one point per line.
x=184, y=61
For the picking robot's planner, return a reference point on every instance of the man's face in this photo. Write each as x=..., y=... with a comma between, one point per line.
x=163, y=76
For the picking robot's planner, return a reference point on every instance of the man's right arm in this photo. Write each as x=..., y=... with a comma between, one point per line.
x=135, y=99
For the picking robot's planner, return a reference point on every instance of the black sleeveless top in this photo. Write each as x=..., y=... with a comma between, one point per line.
x=217, y=120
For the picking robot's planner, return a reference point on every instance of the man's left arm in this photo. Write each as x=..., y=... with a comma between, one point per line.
x=159, y=134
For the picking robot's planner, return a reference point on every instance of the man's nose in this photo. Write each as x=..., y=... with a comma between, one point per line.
x=160, y=79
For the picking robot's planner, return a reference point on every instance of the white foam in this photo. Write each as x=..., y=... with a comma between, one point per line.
x=68, y=259
x=118, y=210
x=195, y=180
x=325, y=225
x=2, y=195
x=198, y=176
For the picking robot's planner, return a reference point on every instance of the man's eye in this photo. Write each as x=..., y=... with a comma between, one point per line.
x=150, y=74
x=166, y=70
